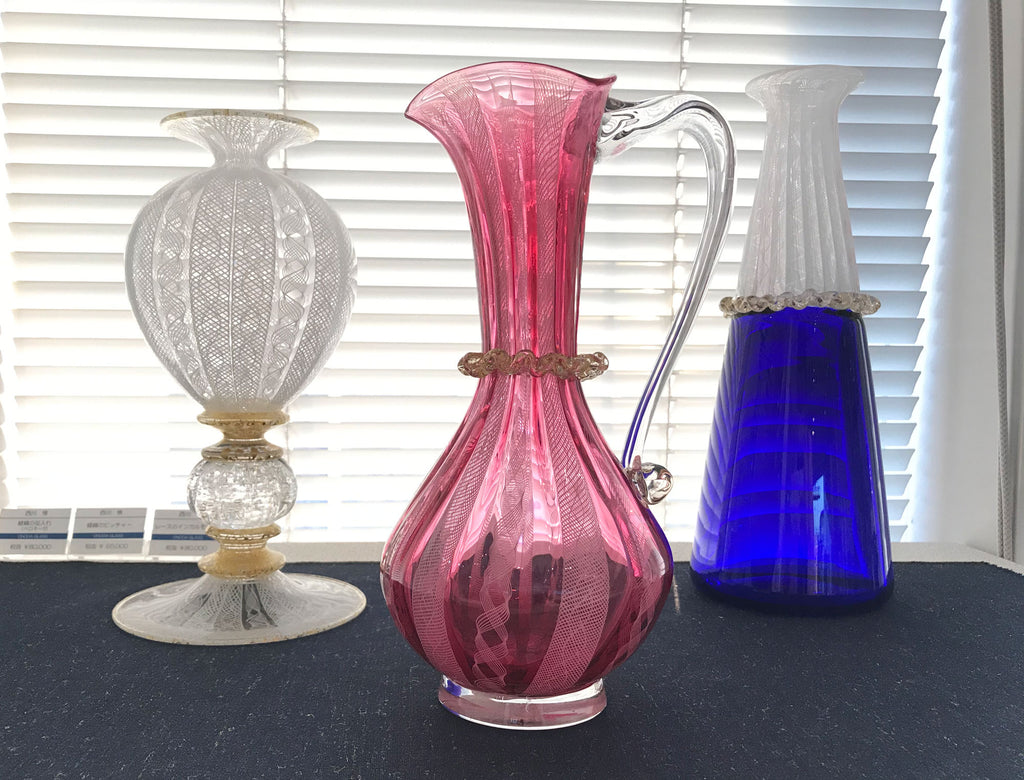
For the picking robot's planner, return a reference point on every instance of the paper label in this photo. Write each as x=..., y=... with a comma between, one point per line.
x=108, y=531
x=179, y=532
x=34, y=531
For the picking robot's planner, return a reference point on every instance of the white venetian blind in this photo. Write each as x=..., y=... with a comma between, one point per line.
x=93, y=419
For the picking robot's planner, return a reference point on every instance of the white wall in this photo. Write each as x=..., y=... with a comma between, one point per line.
x=954, y=490
x=1013, y=34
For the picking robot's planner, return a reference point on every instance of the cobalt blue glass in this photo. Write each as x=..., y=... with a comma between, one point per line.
x=792, y=513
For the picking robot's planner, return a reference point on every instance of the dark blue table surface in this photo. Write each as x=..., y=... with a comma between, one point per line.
x=930, y=685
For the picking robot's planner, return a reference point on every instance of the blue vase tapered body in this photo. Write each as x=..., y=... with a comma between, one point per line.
x=792, y=513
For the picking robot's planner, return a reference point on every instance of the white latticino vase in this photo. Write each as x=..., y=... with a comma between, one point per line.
x=242, y=281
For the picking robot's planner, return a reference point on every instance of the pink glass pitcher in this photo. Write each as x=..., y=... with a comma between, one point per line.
x=528, y=565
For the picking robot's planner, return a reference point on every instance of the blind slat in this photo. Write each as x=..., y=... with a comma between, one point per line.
x=565, y=15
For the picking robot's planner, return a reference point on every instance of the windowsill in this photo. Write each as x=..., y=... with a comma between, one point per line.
x=369, y=552
x=929, y=552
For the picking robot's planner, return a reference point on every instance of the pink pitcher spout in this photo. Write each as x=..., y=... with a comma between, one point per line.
x=522, y=137
x=492, y=82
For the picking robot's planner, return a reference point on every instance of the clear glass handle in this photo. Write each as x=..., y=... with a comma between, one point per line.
x=623, y=125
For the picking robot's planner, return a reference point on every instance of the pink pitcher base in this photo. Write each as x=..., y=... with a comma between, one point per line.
x=524, y=713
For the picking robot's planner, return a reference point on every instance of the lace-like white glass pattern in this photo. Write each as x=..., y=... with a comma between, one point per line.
x=799, y=237
x=242, y=281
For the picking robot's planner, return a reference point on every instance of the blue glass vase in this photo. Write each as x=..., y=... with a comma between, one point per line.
x=792, y=512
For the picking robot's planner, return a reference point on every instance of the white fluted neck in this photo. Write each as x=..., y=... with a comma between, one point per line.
x=799, y=237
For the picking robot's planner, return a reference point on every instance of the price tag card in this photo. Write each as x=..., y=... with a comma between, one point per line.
x=34, y=531
x=108, y=531
x=179, y=532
